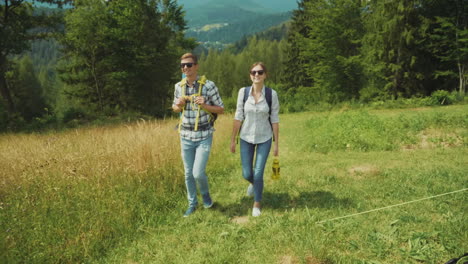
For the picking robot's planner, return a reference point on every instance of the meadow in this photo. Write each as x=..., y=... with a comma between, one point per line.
x=116, y=194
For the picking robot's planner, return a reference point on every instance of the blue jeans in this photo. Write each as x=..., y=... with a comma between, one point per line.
x=253, y=171
x=195, y=156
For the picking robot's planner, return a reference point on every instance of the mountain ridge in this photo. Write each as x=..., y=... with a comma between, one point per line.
x=268, y=6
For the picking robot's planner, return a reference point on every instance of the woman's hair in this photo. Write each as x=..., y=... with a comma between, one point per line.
x=259, y=63
x=190, y=56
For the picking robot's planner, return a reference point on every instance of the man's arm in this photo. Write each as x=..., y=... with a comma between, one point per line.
x=213, y=108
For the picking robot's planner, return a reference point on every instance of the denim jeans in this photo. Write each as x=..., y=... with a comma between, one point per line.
x=195, y=156
x=253, y=171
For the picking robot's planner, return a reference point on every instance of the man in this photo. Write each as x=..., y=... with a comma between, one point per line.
x=199, y=101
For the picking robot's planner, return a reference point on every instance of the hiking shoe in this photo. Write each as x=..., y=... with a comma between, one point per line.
x=207, y=202
x=256, y=212
x=189, y=211
x=250, y=190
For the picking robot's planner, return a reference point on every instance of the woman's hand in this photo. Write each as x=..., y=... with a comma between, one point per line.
x=233, y=147
x=275, y=150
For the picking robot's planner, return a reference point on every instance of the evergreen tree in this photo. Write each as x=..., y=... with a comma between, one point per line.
x=391, y=47
x=332, y=48
x=18, y=25
x=324, y=49
x=26, y=90
x=296, y=76
x=83, y=65
x=447, y=40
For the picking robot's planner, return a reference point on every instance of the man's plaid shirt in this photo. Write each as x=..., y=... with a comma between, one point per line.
x=211, y=94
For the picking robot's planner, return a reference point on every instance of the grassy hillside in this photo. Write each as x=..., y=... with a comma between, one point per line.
x=116, y=194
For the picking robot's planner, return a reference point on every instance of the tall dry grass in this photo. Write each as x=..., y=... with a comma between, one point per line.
x=81, y=192
x=133, y=149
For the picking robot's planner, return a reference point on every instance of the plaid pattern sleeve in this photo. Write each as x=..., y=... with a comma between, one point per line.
x=211, y=94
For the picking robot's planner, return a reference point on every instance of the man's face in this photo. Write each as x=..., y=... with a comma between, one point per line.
x=188, y=67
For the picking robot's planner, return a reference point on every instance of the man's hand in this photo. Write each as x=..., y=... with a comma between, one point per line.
x=180, y=102
x=199, y=100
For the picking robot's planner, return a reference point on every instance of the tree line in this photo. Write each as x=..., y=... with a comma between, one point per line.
x=357, y=50
x=120, y=57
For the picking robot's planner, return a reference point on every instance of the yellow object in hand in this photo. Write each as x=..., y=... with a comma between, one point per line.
x=276, y=169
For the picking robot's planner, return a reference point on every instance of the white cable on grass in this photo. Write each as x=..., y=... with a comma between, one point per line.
x=386, y=207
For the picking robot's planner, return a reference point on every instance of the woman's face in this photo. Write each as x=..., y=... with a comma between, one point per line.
x=257, y=74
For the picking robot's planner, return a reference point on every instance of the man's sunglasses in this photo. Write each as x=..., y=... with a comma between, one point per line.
x=253, y=73
x=189, y=65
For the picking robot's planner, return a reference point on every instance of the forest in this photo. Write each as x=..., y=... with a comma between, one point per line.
x=118, y=60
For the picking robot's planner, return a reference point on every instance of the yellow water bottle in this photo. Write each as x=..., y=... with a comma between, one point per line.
x=276, y=169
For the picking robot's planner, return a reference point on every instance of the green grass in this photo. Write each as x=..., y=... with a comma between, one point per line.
x=333, y=164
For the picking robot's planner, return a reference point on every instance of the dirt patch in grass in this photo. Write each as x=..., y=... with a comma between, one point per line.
x=240, y=220
x=288, y=260
x=295, y=260
x=436, y=138
x=361, y=171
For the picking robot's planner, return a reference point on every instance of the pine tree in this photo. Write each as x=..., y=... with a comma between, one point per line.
x=448, y=41
x=26, y=90
x=296, y=75
x=391, y=47
x=18, y=25
x=324, y=49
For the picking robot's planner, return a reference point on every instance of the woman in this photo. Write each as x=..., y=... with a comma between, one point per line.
x=258, y=121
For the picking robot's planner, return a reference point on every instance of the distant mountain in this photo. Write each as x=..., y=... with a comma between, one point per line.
x=197, y=17
x=249, y=5
x=229, y=21
x=237, y=29
x=278, y=5
x=269, y=6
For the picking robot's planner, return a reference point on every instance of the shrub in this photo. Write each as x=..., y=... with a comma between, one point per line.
x=441, y=97
x=73, y=113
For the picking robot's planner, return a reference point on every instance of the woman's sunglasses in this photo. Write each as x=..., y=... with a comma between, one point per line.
x=189, y=65
x=260, y=72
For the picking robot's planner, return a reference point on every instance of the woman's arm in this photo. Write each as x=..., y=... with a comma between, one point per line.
x=235, y=131
x=276, y=136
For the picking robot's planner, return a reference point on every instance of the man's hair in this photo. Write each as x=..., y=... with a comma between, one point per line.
x=261, y=65
x=190, y=56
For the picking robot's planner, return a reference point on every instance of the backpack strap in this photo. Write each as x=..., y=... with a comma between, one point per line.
x=268, y=95
x=268, y=98
x=246, y=93
x=213, y=116
x=201, y=81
